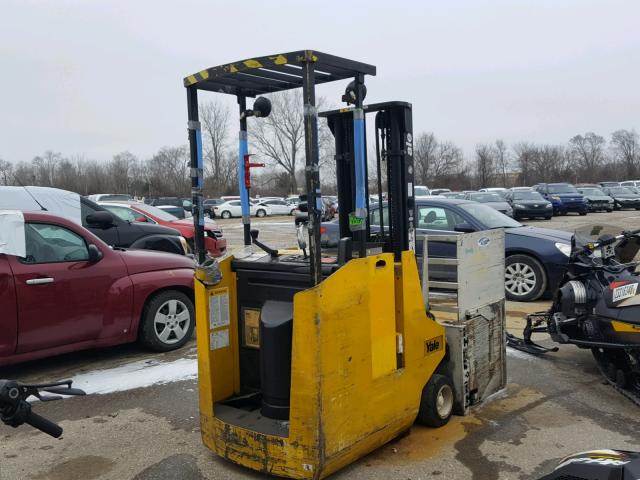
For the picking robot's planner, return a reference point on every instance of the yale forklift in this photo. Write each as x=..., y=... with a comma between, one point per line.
x=308, y=361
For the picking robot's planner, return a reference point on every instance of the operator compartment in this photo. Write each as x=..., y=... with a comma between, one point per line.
x=266, y=287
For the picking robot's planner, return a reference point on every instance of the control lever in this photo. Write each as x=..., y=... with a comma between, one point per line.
x=254, y=238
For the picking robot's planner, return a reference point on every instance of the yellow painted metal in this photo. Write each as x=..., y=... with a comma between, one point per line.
x=625, y=327
x=350, y=390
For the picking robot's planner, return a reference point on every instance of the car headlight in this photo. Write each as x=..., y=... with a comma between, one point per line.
x=517, y=205
x=548, y=205
x=564, y=248
x=185, y=245
x=555, y=197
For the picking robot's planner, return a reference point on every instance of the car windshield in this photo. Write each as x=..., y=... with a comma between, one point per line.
x=489, y=217
x=485, y=197
x=592, y=191
x=562, y=189
x=156, y=212
x=421, y=191
x=620, y=190
x=527, y=196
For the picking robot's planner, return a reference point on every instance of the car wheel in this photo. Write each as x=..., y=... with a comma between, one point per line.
x=436, y=402
x=292, y=212
x=168, y=321
x=609, y=210
x=261, y=213
x=582, y=213
x=226, y=214
x=524, y=278
x=212, y=215
x=548, y=217
x=563, y=212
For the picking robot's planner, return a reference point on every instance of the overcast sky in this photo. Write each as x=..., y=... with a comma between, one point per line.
x=97, y=78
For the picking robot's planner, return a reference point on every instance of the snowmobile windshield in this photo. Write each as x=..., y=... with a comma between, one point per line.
x=626, y=251
x=591, y=233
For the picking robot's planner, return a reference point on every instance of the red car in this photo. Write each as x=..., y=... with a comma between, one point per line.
x=214, y=243
x=72, y=291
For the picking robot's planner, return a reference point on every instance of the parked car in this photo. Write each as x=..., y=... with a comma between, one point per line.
x=630, y=183
x=184, y=203
x=609, y=184
x=460, y=195
x=564, y=197
x=535, y=258
x=233, y=208
x=214, y=242
x=521, y=189
x=499, y=190
x=110, y=197
x=277, y=206
x=208, y=205
x=177, y=212
x=71, y=291
x=102, y=223
x=597, y=200
x=623, y=198
x=491, y=199
x=421, y=191
x=529, y=204
x=440, y=191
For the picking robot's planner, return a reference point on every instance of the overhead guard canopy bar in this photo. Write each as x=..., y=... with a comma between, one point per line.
x=261, y=75
x=275, y=73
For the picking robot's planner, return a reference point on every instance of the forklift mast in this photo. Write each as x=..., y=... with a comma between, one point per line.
x=394, y=173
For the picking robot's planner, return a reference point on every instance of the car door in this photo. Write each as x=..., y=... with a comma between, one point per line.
x=61, y=296
x=438, y=220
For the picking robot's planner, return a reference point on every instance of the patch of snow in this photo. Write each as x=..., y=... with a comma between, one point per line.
x=144, y=373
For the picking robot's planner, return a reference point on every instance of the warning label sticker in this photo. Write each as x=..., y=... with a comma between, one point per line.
x=219, y=339
x=219, y=309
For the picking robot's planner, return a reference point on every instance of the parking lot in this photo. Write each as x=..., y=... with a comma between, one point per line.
x=140, y=419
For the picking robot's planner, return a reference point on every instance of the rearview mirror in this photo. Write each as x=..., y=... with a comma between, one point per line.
x=94, y=253
x=100, y=219
x=464, y=227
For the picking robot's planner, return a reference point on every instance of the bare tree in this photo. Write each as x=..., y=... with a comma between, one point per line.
x=168, y=171
x=425, y=146
x=119, y=171
x=6, y=172
x=588, y=152
x=502, y=161
x=625, y=145
x=485, y=164
x=214, y=118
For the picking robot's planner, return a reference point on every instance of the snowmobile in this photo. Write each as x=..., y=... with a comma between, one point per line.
x=596, y=306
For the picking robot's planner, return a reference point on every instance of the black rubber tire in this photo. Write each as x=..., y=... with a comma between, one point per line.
x=292, y=212
x=548, y=217
x=428, y=413
x=147, y=334
x=540, y=273
x=609, y=210
x=582, y=214
x=226, y=214
x=563, y=212
x=261, y=213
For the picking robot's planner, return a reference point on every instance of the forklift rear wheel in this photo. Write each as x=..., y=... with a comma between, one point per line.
x=436, y=403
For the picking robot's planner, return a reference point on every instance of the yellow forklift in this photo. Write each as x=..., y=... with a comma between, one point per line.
x=309, y=361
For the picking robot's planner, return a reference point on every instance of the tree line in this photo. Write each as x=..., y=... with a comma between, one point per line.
x=278, y=141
